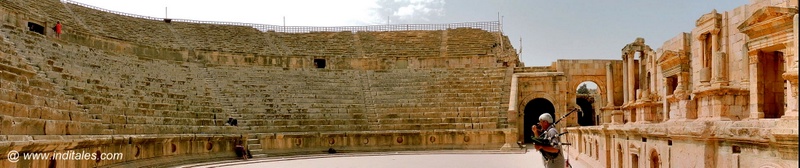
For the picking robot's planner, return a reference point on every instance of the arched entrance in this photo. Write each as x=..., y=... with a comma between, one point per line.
x=533, y=110
x=586, y=118
x=585, y=98
x=654, y=162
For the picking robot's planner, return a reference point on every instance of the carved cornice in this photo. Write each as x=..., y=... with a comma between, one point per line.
x=721, y=90
x=779, y=36
x=758, y=132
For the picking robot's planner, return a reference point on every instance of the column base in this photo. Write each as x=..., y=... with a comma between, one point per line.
x=755, y=116
x=719, y=83
x=790, y=115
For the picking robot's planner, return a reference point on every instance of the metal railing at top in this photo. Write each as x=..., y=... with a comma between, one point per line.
x=490, y=26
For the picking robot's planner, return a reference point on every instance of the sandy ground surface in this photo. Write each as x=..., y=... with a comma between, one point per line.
x=425, y=159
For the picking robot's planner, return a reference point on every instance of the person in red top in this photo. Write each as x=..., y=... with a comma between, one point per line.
x=58, y=29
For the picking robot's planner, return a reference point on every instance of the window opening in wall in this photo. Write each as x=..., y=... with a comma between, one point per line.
x=669, y=142
x=319, y=63
x=736, y=149
x=644, y=139
x=36, y=28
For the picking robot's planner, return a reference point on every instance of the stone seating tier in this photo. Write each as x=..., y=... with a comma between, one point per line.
x=141, y=31
x=405, y=43
x=113, y=75
x=208, y=37
x=107, y=98
x=466, y=42
x=50, y=12
x=276, y=100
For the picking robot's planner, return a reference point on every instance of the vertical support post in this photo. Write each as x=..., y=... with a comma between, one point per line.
x=631, y=78
x=756, y=86
x=624, y=78
x=609, y=85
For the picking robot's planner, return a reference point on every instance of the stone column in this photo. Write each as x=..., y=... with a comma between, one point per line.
x=717, y=61
x=756, y=105
x=745, y=67
x=704, y=73
x=664, y=102
x=719, y=68
x=631, y=78
x=513, y=113
x=624, y=78
x=643, y=83
x=609, y=85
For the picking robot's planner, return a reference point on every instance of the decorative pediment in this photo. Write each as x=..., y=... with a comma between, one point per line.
x=713, y=16
x=766, y=20
x=673, y=62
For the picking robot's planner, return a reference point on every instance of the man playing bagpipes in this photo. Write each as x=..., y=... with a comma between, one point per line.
x=546, y=141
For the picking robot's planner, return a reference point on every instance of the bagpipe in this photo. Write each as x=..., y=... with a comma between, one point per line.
x=546, y=142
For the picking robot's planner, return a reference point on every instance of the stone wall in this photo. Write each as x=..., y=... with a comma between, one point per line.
x=726, y=106
x=161, y=92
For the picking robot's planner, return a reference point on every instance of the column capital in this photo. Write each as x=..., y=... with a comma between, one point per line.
x=714, y=31
x=701, y=37
x=752, y=56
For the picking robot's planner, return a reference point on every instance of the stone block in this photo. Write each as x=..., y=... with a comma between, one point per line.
x=24, y=98
x=21, y=110
x=7, y=95
x=55, y=127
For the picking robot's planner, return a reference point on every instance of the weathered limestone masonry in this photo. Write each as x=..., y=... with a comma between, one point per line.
x=160, y=93
x=722, y=95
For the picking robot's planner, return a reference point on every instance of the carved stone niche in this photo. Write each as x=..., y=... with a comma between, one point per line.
x=674, y=64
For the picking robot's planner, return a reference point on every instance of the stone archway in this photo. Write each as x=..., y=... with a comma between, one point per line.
x=587, y=95
x=654, y=159
x=534, y=109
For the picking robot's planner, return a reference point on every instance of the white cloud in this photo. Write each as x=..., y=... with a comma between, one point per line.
x=408, y=11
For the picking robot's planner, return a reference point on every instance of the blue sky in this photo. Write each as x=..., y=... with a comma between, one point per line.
x=550, y=29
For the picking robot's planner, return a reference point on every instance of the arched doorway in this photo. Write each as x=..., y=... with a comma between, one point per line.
x=533, y=110
x=654, y=162
x=587, y=93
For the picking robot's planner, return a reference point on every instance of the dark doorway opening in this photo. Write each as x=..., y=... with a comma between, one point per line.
x=773, y=83
x=586, y=118
x=319, y=63
x=533, y=110
x=36, y=28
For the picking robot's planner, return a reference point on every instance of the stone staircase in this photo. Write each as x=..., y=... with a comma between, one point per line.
x=213, y=88
x=254, y=145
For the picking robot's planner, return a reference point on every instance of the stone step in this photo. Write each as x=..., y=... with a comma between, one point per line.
x=253, y=146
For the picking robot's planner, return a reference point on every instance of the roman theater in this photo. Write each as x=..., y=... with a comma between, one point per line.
x=161, y=91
